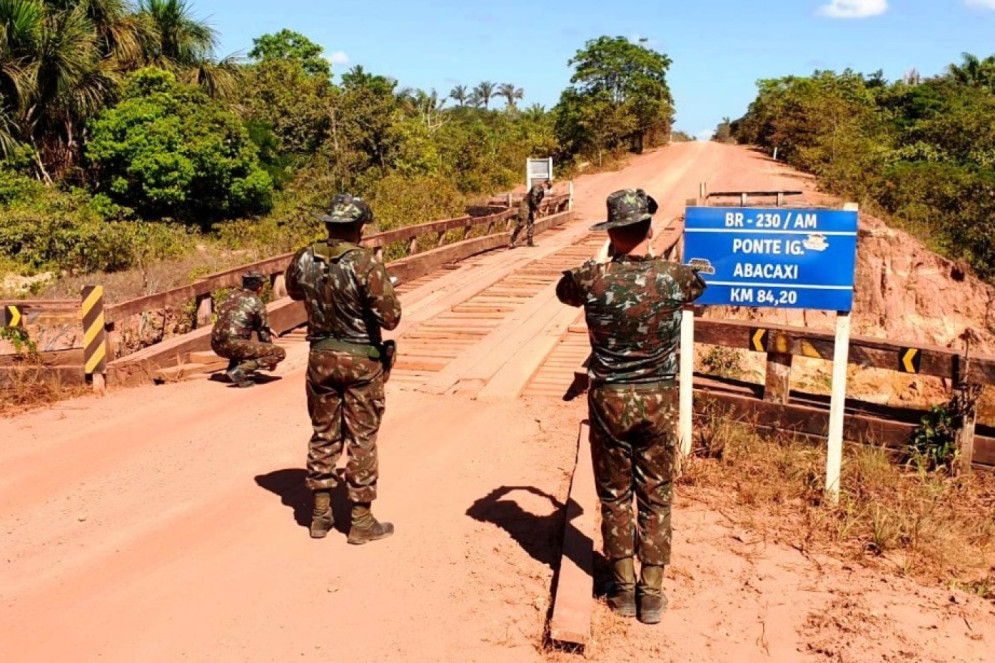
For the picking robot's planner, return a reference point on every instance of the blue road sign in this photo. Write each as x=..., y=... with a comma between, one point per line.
x=773, y=257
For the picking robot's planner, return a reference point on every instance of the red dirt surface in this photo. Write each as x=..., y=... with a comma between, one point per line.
x=169, y=523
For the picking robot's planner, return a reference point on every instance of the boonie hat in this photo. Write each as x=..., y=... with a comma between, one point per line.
x=252, y=280
x=345, y=208
x=626, y=207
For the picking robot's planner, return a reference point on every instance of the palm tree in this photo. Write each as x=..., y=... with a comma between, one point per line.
x=186, y=45
x=484, y=91
x=974, y=71
x=510, y=94
x=122, y=34
x=459, y=94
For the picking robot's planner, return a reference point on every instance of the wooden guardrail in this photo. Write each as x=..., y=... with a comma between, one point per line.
x=407, y=241
x=775, y=405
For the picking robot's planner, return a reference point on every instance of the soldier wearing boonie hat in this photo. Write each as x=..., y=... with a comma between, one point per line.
x=633, y=304
x=241, y=314
x=349, y=299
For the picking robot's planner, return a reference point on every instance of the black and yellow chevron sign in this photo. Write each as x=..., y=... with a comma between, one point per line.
x=94, y=336
x=758, y=339
x=909, y=360
x=12, y=316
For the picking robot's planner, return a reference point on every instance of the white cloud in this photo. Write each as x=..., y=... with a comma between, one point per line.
x=984, y=4
x=854, y=8
x=338, y=57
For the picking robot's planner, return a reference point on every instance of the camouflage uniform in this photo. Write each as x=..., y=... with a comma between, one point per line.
x=242, y=313
x=349, y=298
x=527, y=213
x=633, y=310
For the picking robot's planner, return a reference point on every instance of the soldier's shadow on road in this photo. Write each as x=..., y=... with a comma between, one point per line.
x=289, y=485
x=541, y=536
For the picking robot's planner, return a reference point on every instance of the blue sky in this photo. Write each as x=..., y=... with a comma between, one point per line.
x=720, y=48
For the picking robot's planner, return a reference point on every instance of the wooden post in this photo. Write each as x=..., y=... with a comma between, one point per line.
x=742, y=199
x=466, y=230
x=965, y=402
x=965, y=435
x=279, y=286
x=413, y=246
x=780, y=199
x=205, y=310
x=686, y=412
x=570, y=190
x=440, y=239
x=834, y=455
x=777, y=387
x=378, y=253
x=510, y=199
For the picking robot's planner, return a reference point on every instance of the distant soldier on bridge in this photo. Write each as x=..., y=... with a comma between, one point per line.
x=241, y=314
x=349, y=299
x=633, y=309
x=527, y=212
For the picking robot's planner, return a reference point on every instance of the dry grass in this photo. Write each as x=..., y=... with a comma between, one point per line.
x=929, y=526
x=26, y=386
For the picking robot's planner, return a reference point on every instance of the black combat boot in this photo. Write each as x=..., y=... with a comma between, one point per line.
x=365, y=527
x=622, y=595
x=652, y=600
x=240, y=379
x=321, y=519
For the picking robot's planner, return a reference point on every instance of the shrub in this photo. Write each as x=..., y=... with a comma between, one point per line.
x=169, y=150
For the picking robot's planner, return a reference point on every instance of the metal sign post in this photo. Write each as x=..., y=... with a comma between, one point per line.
x=777, y=257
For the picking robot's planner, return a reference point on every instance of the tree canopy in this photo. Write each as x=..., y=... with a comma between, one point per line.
x=290, y=45
x=619, y=94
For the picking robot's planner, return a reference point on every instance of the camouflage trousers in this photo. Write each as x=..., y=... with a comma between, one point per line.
x=249, y=355
x=526, y=219
x=633, y=442
x=345, y=398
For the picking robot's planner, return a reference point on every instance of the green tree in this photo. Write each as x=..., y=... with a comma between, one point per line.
x=619, y=94
x=168, y=150
x=296, y=105
x=483, y=93
x=974, y=71
x=290, y=45
x=459, y=94
x=185, y=45
x=510, y=93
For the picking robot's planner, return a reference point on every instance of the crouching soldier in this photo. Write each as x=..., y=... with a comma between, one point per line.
x=242, y=313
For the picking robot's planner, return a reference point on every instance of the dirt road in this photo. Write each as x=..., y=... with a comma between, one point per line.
x=169, y=523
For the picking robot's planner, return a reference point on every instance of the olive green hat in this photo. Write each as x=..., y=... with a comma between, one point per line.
x=626, y=207
x=345, y=208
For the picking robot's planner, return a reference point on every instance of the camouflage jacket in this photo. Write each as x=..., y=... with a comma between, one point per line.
x=241, y=314
x=346, y=291
x=633, y=310
x=535, y=196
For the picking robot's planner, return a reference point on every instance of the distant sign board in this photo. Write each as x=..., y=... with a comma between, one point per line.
x=538, y=170
x=773, y=257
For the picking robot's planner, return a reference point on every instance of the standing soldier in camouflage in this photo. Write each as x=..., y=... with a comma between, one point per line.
x=349, y=299
x=242, y=313
x=633, y=309
x=527, y=212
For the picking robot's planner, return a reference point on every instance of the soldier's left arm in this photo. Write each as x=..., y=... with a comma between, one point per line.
x=690, y=283
x=262, y=321
x=380, y=295
x=571, y=288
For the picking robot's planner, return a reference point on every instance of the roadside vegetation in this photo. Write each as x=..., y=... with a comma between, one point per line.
x=127, y=143
x=919, y=149
x=909, y=517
